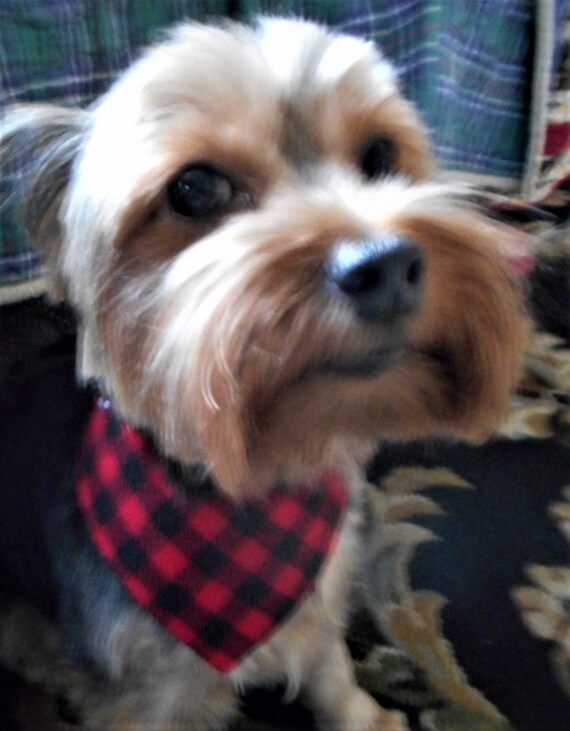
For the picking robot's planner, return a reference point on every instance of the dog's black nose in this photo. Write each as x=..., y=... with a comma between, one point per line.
x=382, y=278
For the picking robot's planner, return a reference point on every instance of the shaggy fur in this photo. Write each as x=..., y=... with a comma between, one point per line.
x=222, y=335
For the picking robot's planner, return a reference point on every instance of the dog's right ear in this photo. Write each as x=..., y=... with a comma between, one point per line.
x=38, y=145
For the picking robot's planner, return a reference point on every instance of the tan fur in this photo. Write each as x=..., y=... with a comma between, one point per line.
x=213, y=333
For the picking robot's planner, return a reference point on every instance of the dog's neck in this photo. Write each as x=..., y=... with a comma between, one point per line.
x=190, y=479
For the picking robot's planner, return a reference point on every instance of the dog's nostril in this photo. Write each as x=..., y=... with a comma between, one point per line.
x=382, y=278
x=359, y=279
x=415, y=272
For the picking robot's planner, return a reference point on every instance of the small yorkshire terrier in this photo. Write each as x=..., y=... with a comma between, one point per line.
x=268, y=282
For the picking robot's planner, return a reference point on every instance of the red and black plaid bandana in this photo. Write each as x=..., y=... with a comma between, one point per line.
x=220, y=575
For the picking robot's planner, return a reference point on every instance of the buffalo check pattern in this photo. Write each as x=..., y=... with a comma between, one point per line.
x=220, y=575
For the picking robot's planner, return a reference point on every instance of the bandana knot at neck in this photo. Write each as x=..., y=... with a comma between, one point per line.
x=220, y=575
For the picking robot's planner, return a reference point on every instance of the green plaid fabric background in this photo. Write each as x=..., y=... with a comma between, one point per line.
x=466, y=63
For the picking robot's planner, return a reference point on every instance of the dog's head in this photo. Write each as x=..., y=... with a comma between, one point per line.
x=262, y=269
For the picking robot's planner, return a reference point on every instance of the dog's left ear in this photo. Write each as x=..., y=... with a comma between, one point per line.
x=39, y=144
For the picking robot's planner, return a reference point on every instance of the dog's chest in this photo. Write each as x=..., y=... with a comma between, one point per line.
x=220, y=575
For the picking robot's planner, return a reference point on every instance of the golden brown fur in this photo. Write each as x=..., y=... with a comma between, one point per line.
x=218, y=334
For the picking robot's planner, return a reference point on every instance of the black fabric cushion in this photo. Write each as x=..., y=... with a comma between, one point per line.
x=486, y=538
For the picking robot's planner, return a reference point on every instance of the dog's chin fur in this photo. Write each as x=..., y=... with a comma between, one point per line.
x=220, y=335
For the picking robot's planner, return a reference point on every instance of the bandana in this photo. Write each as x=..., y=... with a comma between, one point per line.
x=218, y=574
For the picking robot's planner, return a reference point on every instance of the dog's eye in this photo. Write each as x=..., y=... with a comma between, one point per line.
x=378, y=157
x=200, y=191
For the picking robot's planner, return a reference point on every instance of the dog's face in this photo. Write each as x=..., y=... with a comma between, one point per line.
x=262, y=268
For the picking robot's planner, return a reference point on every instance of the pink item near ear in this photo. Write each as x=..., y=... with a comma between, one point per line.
x=519, y=253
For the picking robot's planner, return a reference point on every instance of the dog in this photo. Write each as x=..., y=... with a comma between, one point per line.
x=269, y=280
